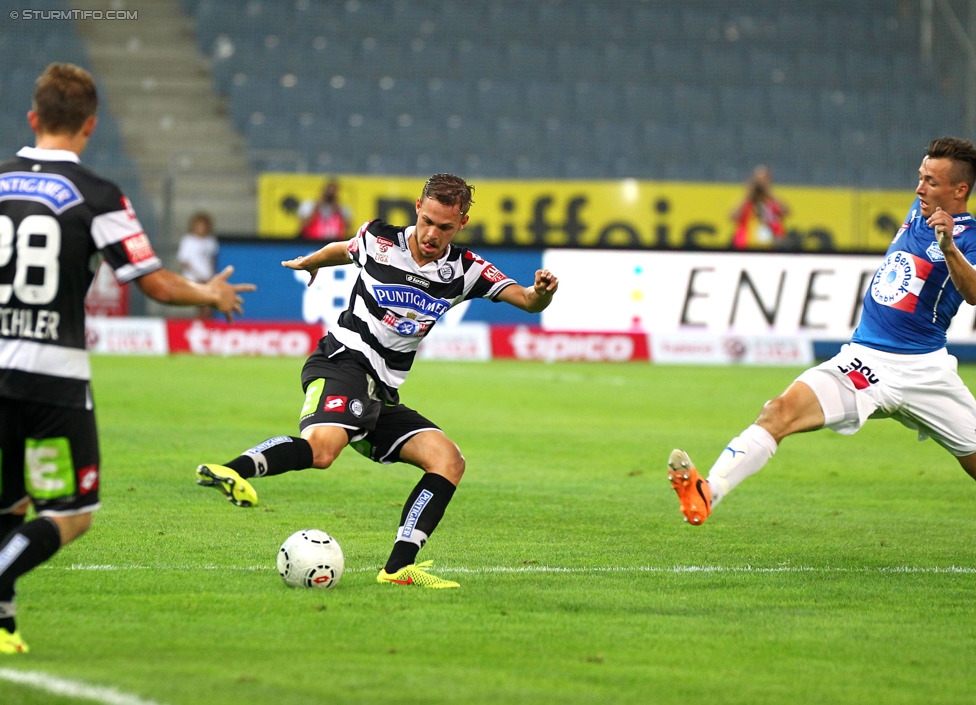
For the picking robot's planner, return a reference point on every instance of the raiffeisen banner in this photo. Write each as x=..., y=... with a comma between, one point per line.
x=628, y=214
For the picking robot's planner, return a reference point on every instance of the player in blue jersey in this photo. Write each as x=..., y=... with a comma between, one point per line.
x=58, y=220
x=896, y=365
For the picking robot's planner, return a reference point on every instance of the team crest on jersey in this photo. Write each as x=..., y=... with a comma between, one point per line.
x=445, y=272
x=899, y=280
x=53, y=190
x=935, y=253
x=356, y=408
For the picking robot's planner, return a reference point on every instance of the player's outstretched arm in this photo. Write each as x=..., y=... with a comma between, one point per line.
x=533, y=298
x=170, y=288
x=960, y=269
x=332, y=255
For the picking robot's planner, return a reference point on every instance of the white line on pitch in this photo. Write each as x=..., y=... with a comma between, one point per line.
x=532, y=568
x=72, y=689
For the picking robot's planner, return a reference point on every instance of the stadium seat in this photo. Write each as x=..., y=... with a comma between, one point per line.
x=559, y=69
x=745, y=106
x=596, y=101
x=764, y=144
x=549, y=99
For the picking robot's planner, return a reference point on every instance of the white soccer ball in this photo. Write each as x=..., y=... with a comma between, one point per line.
x=311, y=559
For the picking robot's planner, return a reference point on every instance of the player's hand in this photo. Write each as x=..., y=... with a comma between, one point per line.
x=229, y=300
x=943, y=224
x=546, y=283
x=301, y=264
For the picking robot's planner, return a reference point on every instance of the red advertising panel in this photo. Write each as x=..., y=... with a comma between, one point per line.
x=532, y=343
x=258, y=339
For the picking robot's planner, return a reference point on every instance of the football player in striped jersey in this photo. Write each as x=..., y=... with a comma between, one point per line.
x=58, y=220
x=408, y=278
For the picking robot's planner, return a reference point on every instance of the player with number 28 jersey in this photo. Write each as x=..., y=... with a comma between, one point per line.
x=58, y=219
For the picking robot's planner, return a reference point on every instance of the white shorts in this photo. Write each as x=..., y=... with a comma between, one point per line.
x=924, y=392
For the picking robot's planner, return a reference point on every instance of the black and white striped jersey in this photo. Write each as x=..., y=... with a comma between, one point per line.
x=58, y=219
x=395, y=301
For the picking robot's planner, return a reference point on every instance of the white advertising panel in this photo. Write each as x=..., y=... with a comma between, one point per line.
x=742, y=294
x=126, y=336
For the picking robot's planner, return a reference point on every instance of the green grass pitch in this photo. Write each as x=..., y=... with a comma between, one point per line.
x=842, y=573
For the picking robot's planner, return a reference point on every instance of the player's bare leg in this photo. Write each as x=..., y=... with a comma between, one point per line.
x=968, y=463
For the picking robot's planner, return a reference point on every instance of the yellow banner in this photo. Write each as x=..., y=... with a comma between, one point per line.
x=601, y=214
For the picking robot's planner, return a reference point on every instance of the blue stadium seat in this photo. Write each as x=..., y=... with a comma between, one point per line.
x=695, y=103
x=596, y=100
x=744, y=106
x=764, y=144
x=643, y=101
x=549, y=99
x=793, y=106
x=564, y=69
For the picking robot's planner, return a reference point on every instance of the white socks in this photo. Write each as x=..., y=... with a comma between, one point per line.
x=745, y=455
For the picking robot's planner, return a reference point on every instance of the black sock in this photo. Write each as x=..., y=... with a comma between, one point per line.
x=421, y=514
x=273, y=457
x=9, y=522
x=25, y=549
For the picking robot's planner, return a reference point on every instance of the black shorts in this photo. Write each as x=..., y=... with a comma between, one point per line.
x=340, y=391
x=50, y=454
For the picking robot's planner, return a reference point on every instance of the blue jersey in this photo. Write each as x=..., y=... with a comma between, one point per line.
x=911, y=299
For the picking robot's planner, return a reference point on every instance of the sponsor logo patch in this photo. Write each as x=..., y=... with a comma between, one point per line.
x=334, y=403
x=409, y=298
x=492, y=274
x=127, y=207
x=899, y=280
x=138, y=248
x=415, y=511
x=88, y=479
x=53, y=190
x=407, y=327
x=860, y=374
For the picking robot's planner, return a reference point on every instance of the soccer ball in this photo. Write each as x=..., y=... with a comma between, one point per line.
x=310, y=558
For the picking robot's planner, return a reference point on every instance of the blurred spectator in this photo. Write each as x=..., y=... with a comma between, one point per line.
x=197, y=253
x=759, y=214
x=326, y=218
